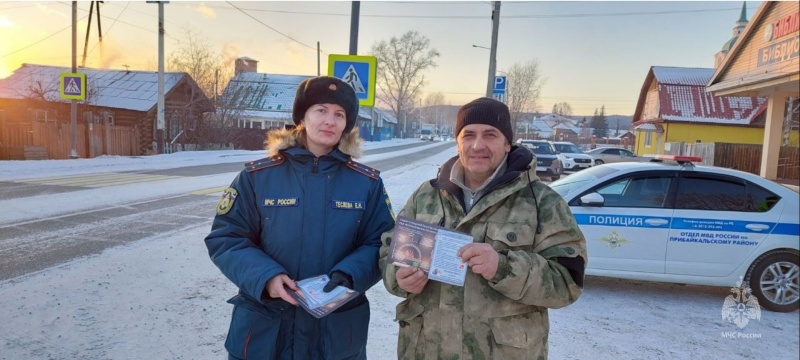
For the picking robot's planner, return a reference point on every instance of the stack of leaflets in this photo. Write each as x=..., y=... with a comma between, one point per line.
x=317, y=302
x=431, y=248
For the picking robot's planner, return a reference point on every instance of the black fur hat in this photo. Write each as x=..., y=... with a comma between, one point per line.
x=485, y=111
x=325, y=90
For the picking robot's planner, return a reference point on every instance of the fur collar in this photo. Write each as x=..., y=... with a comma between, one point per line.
x=282, y=139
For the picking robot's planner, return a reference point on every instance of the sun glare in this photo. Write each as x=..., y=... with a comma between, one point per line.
x=5, y=23
x=5, y=71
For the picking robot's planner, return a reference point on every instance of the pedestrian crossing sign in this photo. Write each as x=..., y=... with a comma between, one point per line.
x=358, y=71
x=72, y=86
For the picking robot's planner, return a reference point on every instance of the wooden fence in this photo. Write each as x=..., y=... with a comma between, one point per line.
x=744, y=157
x=22, y=141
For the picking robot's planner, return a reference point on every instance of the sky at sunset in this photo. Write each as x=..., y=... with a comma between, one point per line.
x=592, y=53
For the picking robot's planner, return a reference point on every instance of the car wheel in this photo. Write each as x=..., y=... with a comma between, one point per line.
x=598, y=162
x=775, y=281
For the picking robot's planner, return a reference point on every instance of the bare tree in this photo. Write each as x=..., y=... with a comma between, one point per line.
x=221, y=126
x=432, y=111
x=792, y=119
x=402, y=63
x=434, y=99
x=196, y=58
x=211, y=71
x=562, y=108
x=525, y=83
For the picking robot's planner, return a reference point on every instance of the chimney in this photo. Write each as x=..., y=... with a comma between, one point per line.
x=245, y=64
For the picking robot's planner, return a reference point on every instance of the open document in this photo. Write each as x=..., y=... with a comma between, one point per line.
x=431, y=248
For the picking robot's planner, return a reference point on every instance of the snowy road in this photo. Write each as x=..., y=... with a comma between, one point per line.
x=160, y=297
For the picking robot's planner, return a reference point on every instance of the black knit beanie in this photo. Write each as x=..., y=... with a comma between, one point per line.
x=325, y=90
x=485, y=111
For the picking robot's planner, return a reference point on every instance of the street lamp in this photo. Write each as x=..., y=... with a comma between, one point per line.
x=482, y=47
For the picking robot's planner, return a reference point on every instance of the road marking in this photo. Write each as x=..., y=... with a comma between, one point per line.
x=210, y=191
x=100, y=180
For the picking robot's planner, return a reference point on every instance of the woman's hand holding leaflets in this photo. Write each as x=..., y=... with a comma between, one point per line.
x=339, y=278
x=276, y=288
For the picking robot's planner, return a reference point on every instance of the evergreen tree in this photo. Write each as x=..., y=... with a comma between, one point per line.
x=599, y=123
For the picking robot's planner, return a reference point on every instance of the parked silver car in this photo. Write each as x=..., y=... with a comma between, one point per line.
x=605, y=155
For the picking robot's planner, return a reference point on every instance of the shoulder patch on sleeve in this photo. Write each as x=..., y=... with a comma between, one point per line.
x=363, y=169
x=264, y=163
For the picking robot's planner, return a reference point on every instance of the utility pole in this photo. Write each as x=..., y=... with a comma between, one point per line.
x=354, y=14
x=160, y=109
x=160, y=77
x=73, y=153
x=318, y=64
x=89, y=28
x=493, y=50
x=216, y=86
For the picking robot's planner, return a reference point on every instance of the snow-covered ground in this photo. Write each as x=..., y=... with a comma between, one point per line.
x=162, y=298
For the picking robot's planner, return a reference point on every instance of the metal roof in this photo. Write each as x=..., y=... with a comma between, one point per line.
x=257, y=91
x=695, y=104
x=120, y=89
x=682, y=76
x=272, y=96
x=649, y=127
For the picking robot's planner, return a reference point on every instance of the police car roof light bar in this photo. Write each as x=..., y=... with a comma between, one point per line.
x=680, y=159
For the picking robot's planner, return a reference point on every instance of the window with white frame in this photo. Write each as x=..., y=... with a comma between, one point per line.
x=648, y=139
x=40, y=115
x=108, y=118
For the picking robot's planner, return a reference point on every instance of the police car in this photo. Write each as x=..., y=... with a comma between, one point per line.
x=672, y=221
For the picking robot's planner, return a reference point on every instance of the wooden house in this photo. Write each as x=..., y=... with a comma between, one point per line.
x=118, y=116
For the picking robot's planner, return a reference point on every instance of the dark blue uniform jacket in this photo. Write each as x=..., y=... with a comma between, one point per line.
x=303, y=216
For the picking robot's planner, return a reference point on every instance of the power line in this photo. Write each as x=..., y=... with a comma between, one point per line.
x=17, y=7
x=39, y=41
x=70, y=26
x=141, y=12
x=483, y=17
x=273, y=29
x=111, y=26
x=129, y=24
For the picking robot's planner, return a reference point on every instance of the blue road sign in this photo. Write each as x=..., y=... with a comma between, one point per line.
x=499, y=85
x=358, y=71
x=499, y=90
x=72, y=86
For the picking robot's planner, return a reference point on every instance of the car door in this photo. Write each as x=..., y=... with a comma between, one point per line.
x=718, y=221
x=625, y=155
x=629, y=231
x=611, y=155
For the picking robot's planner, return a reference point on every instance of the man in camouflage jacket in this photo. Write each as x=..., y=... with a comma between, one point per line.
x=528, y=253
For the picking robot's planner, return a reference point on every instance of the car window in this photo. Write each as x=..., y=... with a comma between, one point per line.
x=611, y=152
x=566, y=185
x=626, y=153
x=637, y=191
x=759, y=199
x=540, y=148
x=568, y=148
x=707, y=193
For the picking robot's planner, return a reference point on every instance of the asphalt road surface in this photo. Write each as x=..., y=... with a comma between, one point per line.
x=39, y=244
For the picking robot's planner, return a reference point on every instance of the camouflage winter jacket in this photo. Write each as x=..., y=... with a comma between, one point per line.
x=542, y=260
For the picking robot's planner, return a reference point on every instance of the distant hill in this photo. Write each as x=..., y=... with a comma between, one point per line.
x=623, y=120
x=448, y=115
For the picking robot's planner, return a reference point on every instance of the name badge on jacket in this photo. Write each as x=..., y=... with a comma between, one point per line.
x=281, y=202
x=348, y=205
